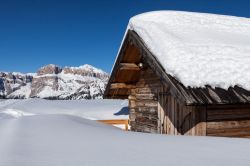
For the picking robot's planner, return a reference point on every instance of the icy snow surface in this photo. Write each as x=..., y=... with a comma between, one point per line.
x=41, y=133
x=198, y=49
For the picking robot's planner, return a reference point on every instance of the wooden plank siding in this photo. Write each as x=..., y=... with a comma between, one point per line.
x=183, y=120
x=159, y=103
x=143, y=103
x=153, y=109
x=228, y=121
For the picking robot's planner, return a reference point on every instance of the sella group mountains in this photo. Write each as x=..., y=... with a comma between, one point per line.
x=54, y=82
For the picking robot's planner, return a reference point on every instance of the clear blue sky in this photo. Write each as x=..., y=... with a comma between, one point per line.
x=71, y=33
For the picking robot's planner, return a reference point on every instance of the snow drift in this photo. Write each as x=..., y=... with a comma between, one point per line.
x=58, y=136
x=99, y=109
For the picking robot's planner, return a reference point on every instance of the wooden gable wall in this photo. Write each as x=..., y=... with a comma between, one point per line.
x=153, y=109
x=143, y=103
x=160, y=104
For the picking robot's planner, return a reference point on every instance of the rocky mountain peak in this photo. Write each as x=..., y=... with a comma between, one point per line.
x=49, y=69
x=54, y=82
x=86, y=70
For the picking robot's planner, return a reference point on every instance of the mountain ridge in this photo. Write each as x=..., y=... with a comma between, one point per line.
x=54, y=82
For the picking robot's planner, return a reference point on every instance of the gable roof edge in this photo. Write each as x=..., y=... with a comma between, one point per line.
x=133, y=37
x=160, y=71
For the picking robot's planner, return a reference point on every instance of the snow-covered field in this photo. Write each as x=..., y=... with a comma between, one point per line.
x=89, y=109
x=55, y=133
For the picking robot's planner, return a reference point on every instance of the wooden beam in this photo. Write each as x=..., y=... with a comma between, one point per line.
x=121, y=86
x=129, y=66
x=116, y=96
x=124, y=122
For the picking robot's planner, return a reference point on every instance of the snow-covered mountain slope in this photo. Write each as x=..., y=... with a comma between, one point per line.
x=15, y=85
x=37, y=137
x=53, y=82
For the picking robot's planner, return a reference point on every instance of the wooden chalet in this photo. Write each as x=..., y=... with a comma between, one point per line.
x=158, y=103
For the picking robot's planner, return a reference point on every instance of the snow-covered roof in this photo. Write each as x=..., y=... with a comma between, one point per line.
x=198, y=49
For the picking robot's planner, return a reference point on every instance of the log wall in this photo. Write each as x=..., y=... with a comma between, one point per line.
x=228, y=121
x=143, y=103
x=154, y=110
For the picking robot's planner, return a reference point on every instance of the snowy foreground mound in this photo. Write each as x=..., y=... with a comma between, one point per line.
x=61, y=139
x=98, y=109
x=198, y=49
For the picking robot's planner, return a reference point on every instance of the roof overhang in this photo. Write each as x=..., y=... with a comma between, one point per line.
x=126, y=69
x=125, y=72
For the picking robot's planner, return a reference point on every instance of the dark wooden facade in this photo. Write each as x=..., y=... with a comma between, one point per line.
x=159, y=103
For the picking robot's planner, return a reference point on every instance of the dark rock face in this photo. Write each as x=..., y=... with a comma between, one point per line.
x=12, y=83
x=53, y=82
x=2, y=88
x=39, y=83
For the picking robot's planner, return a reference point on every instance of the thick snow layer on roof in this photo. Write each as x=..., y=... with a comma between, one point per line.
x=198, y=49
x=40, y=133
